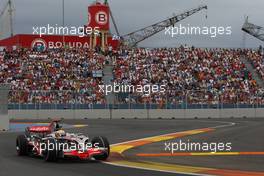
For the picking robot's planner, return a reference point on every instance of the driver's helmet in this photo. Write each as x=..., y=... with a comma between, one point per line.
x=57, y=126
x=60, y=133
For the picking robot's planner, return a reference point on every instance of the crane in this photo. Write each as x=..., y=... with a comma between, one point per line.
x=253, y=30
x=133, y=38
x=112, y=17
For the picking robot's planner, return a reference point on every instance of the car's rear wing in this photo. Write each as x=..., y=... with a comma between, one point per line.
x=53, y=126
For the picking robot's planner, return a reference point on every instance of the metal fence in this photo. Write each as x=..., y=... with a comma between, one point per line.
x=189, y=99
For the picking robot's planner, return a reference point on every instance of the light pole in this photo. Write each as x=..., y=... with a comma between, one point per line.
x=10, y=10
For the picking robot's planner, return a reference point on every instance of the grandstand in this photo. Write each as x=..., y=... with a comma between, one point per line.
x=256, y=59
x=193, y=76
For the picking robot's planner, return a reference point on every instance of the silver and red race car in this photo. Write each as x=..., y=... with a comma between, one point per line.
x=53, y=143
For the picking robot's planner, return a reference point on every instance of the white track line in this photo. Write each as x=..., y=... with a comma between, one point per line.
x=156, y=170
x=215, y=127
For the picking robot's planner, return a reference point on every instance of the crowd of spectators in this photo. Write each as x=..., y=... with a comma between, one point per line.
x=195, y=75
x=257, y=59
x=191, y=74
x=52, y=76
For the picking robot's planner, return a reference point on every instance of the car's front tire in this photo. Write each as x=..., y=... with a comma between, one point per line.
x=22, y=145
x=51, y=154
x=101, y=142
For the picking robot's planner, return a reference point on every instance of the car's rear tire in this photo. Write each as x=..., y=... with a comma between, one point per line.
x=101, y=142
x=22, y=145
x=51, y=154
x=27, y=132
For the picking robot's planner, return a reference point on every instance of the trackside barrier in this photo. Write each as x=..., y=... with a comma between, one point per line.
x=66, y=114
x=138, y=113
x=4, y=120
x=176, y=104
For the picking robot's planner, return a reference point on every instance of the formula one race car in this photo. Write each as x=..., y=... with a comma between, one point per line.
x=52, y=143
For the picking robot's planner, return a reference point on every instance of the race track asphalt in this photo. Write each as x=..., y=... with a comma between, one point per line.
x=246, y=135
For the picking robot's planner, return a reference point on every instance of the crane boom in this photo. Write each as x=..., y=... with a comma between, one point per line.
x=133, y=38
x=253, y=30
x=112, y=17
